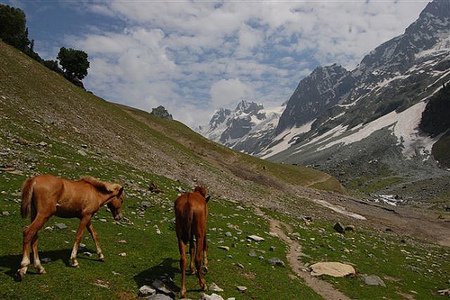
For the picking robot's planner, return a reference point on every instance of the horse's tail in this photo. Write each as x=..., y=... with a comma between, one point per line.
x=27, y=194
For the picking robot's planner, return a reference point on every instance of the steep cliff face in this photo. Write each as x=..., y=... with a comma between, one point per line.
x=324, y=88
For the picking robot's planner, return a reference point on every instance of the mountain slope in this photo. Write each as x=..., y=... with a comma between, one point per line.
x=39, y=105
x=362, y=126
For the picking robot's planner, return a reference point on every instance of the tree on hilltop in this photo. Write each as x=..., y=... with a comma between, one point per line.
x=74, y=64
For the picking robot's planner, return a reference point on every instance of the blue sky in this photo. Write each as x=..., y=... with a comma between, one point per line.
x=194, y=57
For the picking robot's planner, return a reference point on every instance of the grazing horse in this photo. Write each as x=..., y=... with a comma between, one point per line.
x=190, y=220
x=46, y=195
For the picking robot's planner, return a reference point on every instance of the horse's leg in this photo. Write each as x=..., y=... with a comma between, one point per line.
x=183, y=263
x=205, y=256
x=37, y=261
x=198, y=262
x=28, y=235
x=95, y=238
x=192, y=254
x=73, y=257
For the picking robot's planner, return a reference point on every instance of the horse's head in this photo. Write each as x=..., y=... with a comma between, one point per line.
x=202, y=191
x=115, y=205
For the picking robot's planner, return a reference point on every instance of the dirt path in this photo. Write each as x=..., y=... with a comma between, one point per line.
x=294, y=257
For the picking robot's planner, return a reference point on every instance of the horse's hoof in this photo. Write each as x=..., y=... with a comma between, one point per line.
x=75, y=265
x=19, y=275
x=205, y=270
x=42, y=271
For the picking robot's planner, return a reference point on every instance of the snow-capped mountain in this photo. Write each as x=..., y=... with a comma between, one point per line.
x=244, y=128
x=364, y=122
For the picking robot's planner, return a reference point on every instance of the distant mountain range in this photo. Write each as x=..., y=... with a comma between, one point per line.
x=360, y=125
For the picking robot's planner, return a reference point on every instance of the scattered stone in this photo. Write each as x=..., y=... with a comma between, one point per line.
x=46, y=260
x=160, y=286
x=272, y=248
x=121, y=242
x=159, y=297
x=255, y=238
x=276, y=262
x=60, y=225
x=339, y=228
x=252, y=253
x=373, y=280
x=228, y=234
x=102, y=220
x=123, y=254
x=350, y=228
x=213, y=296
x=87, y=253
x=146, y=290
x=145, y=204
x=444, y=292
x=81, y=152
x=115, y=273
x=334, y=269
x=241, y=288
x=215, y=288
x=81, y=247
x=42, y=144
x=101, y=283
x=226, y=248
x=239, y=265
x=5, y=213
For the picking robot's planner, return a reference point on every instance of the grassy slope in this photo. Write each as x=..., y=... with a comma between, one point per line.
x=129, y=146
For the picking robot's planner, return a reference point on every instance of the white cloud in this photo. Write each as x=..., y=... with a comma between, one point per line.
x=225, y=93
x=199, y=56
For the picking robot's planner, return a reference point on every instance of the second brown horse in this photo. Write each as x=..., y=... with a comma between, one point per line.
x=191, y=213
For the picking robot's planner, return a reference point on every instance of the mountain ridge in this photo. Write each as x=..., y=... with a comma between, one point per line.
x=375, y=109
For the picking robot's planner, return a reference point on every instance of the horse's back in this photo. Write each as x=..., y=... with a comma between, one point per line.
x=190, y=215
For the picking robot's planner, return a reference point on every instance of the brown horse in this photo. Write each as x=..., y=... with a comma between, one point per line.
x=190, y=220
x=46, y=195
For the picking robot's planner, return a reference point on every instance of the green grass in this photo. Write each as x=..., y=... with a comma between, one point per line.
x=407, y=266
x=149, y=255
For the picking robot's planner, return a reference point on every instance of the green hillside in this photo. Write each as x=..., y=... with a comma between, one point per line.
x=49, y=125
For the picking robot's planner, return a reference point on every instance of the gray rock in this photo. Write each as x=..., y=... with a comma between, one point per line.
x=252, y=253
x=5, y=213
x=373, y=280
x=159, y=297
x=226, y=248
x=82, y=153
x=276, y=262
x=255, y=238
x=60, y=225
x=160, y=286
x=228, y=234
x=339, y=228
x=146, y=290
x=241, y=288
x=145, y=204
x=215, y=288
x=213, y=296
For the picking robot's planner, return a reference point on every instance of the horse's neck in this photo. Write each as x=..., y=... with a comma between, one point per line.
x=105, y=199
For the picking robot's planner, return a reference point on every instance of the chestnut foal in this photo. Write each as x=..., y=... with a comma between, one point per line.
x=46, y=195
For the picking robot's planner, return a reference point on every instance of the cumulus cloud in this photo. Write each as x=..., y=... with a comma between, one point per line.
x=200, y=56
x=225, y=93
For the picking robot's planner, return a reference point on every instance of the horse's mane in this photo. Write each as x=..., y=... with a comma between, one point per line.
x=100, y=185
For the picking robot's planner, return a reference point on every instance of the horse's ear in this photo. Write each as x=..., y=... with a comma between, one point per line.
x=207, y=198
x=119, y=194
